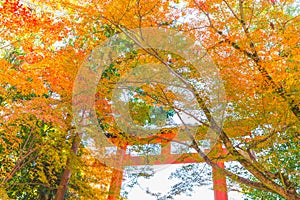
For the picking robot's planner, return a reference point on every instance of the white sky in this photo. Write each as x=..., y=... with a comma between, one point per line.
x=160, y=183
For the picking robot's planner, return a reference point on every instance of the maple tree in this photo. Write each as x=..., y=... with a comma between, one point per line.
x=231, y=42
x=253, y=43
x=36, y=78
x=261, y=99
x=264, y=102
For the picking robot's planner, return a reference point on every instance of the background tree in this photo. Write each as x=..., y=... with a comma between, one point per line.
x=36, y=77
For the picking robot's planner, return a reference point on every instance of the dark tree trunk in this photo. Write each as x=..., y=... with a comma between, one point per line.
x=64, y=181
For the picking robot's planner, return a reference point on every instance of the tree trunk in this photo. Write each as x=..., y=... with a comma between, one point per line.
x=64, y=181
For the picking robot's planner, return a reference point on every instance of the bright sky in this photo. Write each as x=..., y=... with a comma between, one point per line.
x=160, y=183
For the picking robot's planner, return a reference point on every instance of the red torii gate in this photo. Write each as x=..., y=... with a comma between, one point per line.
x=166, y=157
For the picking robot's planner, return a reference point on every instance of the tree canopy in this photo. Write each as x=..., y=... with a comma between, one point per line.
x=250, y=103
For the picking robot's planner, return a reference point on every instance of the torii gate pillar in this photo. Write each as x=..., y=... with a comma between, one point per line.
x=219, y=182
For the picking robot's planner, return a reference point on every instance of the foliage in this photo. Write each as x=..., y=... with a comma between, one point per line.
x=36, y=130
x=254, y=44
